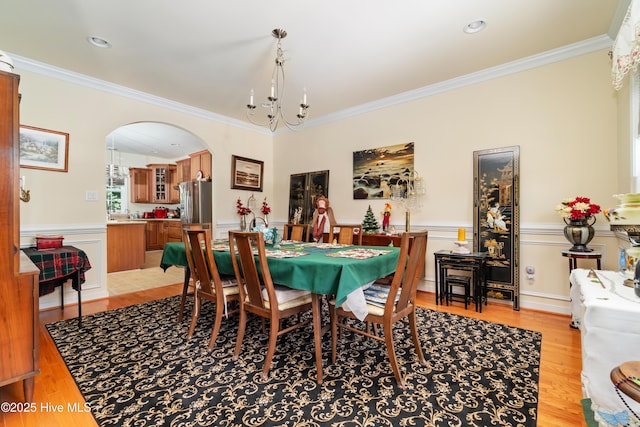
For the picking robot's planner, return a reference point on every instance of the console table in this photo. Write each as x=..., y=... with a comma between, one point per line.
x=57, y=265
x=476, y=262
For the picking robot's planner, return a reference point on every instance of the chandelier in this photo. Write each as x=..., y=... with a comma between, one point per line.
x=276, y=96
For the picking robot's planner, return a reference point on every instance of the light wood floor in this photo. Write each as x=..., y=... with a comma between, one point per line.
x=560, y=366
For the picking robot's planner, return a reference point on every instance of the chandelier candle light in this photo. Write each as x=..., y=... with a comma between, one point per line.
x=276, y=94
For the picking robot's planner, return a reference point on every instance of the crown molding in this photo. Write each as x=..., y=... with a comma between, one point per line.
x=566, y=52
x=104, y=86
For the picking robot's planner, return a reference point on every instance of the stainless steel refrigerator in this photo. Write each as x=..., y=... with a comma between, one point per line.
x=195, y=202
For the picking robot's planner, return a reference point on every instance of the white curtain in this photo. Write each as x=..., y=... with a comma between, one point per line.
x=626, y=48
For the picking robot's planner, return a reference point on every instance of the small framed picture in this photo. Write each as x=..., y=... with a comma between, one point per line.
x=246, y=174
x=43, y=149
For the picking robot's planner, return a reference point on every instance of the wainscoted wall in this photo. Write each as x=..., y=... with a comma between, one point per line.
x=548, y=291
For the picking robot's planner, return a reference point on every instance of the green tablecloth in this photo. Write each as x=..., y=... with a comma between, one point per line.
x=315, y=272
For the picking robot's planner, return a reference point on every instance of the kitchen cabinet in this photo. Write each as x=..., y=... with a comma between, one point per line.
x=161, y=231
x=174, y=192
x=125, y=245
x=139, y=183
x=173, y=231
x=154, y=233
x=19, y=323
x=162, y=184
x=159, y=183
x=183, y=170
x=201, y=161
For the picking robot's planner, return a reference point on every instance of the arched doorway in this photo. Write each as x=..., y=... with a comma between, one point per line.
x=145, y=145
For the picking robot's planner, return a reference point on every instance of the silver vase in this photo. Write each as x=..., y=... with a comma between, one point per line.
x=579, y=232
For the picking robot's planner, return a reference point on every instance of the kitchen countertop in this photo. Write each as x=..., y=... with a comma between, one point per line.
x=138, y=220
x=156, y=219
x=124, y=222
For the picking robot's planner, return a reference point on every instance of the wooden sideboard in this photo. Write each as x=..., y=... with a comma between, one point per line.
x=381, y=240
x=19, y=345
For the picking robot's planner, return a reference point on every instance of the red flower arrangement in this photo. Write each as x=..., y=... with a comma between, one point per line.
x=266, y=210
x=242, y=211
x=577, y=208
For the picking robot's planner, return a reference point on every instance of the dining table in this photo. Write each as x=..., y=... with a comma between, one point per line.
x=339, y=270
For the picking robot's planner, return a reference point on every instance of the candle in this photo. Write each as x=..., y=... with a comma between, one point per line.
x=461, y=235
x=304, y=96
x=273, y=89
x=23, y=182
x=251, y=97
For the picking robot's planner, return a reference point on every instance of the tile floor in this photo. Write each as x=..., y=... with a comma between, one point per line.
x=147, y=277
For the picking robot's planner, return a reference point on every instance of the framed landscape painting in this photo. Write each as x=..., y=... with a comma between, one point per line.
x=43, y=149
x=246, y=174
x=496, y=219
x=375, y=170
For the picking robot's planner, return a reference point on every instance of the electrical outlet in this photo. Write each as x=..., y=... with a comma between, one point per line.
x=531, y=271
x=91, y=195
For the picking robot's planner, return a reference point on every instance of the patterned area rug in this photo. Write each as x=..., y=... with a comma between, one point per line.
x=135, y=367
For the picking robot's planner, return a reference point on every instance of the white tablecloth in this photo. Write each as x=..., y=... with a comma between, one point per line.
x=609, y=322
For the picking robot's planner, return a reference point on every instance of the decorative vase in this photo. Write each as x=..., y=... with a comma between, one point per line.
x=579, y=232
x=243, y=223
x=266, y=221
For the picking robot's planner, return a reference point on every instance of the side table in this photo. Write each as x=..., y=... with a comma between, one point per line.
x=573, y=263
x=575, y=256
x=476, y=262
x=57, y=265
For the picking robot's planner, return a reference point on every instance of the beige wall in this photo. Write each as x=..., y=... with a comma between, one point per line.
x=58, y=202
x=563, y=116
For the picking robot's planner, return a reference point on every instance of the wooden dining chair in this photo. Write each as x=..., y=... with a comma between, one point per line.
x=207, y=282
x=388, y=305
x=259, y=291
x=297, y=232
x=346, y=234
x=187, y=284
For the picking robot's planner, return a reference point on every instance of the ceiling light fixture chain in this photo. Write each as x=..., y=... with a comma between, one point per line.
x=276, y=94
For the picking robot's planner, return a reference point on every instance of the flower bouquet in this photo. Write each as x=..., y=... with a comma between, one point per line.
x=578, y=209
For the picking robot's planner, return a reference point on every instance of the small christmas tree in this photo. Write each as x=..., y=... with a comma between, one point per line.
x=370, y=223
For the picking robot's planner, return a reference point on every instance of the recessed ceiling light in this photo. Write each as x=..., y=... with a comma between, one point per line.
x=475, y=26
x=98, y=42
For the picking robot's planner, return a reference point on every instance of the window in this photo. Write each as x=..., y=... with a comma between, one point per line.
x=117, y=190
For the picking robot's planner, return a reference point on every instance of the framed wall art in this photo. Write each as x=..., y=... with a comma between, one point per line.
x=376, y=170
x=496, y=218
x=43, y=149
x=246, y=174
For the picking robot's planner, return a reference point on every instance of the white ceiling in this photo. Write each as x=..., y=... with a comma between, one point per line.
x=209, y=54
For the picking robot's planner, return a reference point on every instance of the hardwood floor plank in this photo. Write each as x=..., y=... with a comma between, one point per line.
x=559, y=396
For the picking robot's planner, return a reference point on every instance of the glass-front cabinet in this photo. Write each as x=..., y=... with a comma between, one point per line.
x=163, y=180
x=304, y=189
